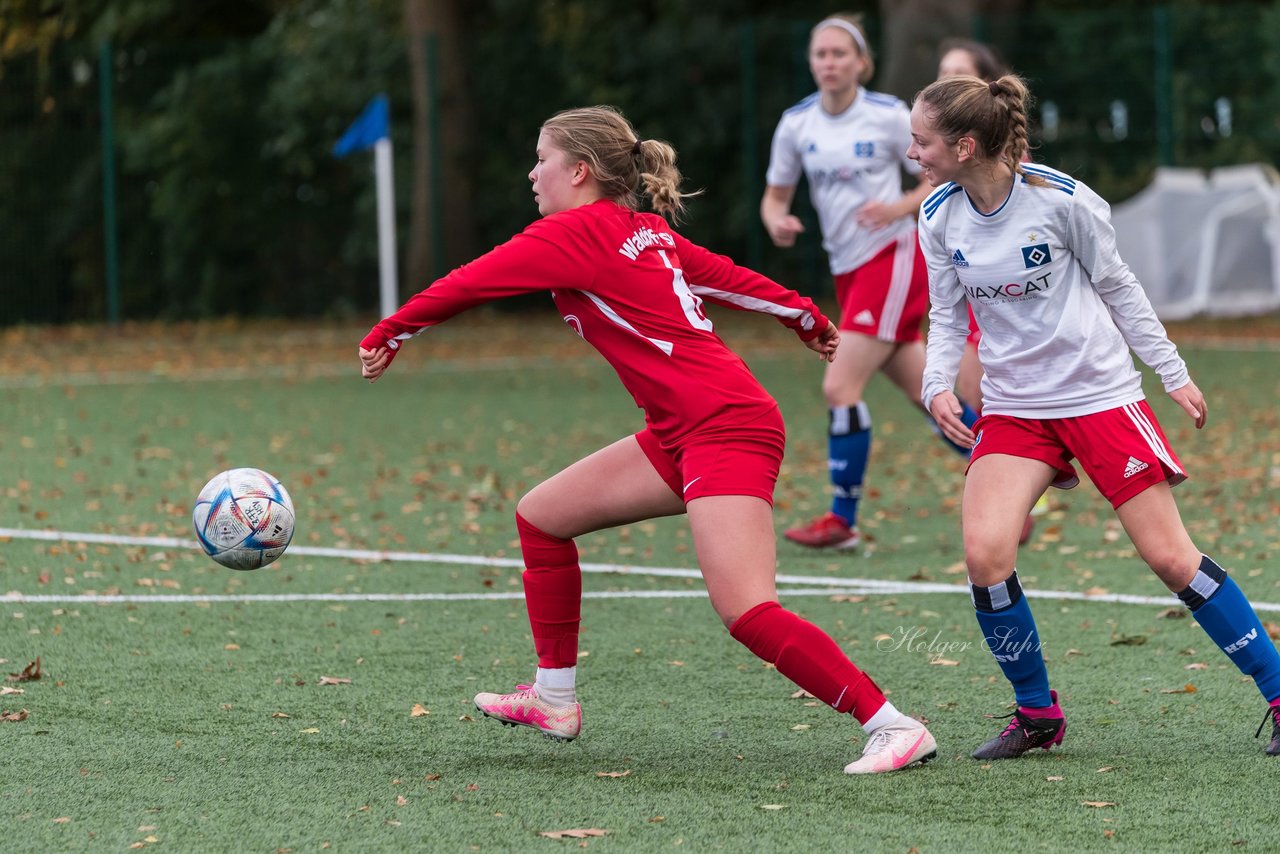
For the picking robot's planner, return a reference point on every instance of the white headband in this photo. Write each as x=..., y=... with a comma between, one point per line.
x=848, y=28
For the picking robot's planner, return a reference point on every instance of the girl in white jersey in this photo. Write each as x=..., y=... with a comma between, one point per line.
x=1032, y=251
x=851, y=145
x=965, y=56
x=634, y=289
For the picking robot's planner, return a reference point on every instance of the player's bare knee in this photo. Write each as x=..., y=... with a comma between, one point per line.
x=988, y=562
x=1175, y=567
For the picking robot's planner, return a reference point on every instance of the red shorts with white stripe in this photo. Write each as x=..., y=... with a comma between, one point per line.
x=1122, y=450
x=743, y=460
x=887, y=297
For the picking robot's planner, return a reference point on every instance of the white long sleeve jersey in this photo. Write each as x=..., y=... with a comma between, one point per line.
x=848, y=159
x=1058, y=308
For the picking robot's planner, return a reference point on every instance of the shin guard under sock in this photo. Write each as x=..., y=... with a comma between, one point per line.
x=1223, y=611
x=1009, y=632
x=808, y=656
x=552, y=594
x=848, y=449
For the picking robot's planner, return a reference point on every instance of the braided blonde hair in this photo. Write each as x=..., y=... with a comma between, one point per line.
x=994, y=114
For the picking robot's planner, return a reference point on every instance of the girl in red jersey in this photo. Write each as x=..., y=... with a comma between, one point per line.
x=713, y=438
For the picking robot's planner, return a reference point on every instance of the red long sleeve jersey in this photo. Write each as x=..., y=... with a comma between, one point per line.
x=633, y=289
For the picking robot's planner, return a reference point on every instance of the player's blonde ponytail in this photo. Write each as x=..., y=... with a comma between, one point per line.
x=620, y=161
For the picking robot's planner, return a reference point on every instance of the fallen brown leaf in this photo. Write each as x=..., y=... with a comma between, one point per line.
x=576, y=833
x=1097, y=804
x=419, y=710
x=1172, y=614
x=1185, y=689
x=14, y=717
x=1055, y=779
x=30, y=673
x=944, y=662
x=626, y=773
x=802, y=695
x=334, y=680
x=1196, y=665
x=5, y=690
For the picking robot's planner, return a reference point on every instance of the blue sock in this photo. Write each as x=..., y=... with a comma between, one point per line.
x=848, y=448
x=1223, y=611
x=1009, y=632
x=968, y=416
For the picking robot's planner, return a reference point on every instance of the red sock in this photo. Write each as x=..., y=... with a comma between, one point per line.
x=808, y=656
x=552, y=594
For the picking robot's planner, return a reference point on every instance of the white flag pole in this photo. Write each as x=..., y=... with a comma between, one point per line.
x=386, y=227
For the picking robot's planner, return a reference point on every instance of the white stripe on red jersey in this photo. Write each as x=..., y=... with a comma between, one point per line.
x=633, y=289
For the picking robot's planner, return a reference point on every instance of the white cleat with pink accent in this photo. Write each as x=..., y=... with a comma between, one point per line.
x=523, y=707
x=895, y=746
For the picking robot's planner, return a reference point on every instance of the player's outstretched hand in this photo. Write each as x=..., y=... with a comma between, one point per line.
x=826, y=343
x=946, y=411
x=373, y=363
x=1192, y=402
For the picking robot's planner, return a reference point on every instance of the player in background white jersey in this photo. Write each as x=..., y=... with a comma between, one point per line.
x=851, y=145
x=966, y=56
x=1032, y=251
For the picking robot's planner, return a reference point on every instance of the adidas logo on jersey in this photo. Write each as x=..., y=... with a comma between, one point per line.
x=864, y=318
x=1133, y=467
x=958, y=259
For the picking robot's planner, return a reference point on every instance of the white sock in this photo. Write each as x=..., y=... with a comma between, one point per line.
x=557, y=685
x=887, y=715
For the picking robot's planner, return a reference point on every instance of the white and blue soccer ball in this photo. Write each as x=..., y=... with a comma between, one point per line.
x=243, y=518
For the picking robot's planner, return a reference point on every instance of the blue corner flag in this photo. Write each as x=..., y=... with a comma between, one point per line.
x=372, y=125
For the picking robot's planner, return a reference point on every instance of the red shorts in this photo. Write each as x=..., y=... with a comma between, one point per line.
x=887, y=297
x=975, y=334
x=1122, y=450
x=743, y=460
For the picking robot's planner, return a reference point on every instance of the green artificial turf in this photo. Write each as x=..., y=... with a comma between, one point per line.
x=197, y=725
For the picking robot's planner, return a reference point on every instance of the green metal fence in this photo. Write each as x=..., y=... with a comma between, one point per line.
x=133, y=187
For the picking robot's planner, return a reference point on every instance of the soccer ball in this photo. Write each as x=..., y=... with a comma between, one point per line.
x=243, y=518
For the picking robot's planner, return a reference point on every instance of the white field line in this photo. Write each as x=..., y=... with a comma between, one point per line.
x=813, y=585
x=325, y=370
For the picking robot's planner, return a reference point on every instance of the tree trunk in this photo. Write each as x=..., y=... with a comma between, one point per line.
x=440, y=226
x=912, y=31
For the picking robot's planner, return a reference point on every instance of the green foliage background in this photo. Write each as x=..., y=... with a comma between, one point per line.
x=230, y=202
